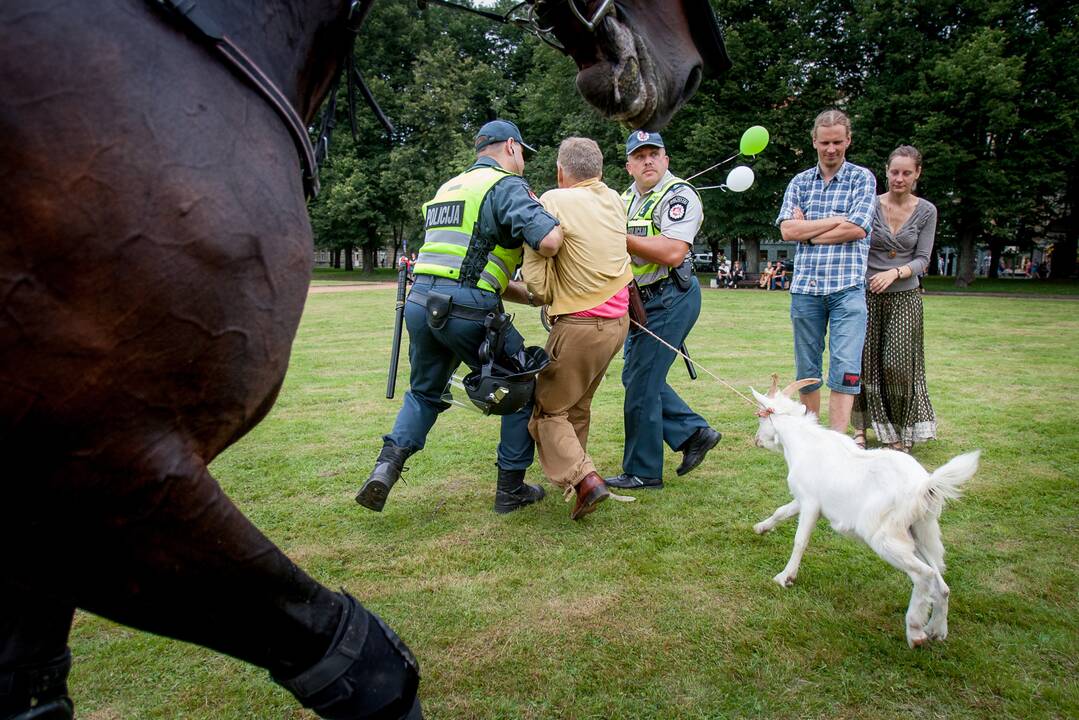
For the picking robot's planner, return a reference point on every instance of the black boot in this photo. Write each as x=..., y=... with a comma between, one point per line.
x=513, y=492
x=368, y=672
x=388, y=467
x=38, y=692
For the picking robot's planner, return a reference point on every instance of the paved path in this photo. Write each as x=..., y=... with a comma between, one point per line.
x=349, y=287
x=1023, y=296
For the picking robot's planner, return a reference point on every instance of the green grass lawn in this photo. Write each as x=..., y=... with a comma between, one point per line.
x=663, y=608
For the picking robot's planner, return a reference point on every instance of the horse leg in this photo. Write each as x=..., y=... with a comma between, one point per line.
x=169, y=553
x=34, y=658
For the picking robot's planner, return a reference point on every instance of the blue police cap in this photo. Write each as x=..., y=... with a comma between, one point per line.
x=640, y=138
x=499, y=131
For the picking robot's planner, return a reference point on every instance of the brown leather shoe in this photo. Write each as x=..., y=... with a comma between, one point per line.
x=591, y=491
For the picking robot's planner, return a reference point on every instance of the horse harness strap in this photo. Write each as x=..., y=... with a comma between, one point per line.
x=196, y=21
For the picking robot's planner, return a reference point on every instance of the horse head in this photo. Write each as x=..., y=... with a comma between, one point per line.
x=638, y=61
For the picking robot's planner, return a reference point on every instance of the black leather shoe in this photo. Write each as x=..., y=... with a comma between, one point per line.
x=698, y=445
x=632, y=482
x=513, y=492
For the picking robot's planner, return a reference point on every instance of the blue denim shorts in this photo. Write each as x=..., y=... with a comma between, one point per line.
x=843, y=316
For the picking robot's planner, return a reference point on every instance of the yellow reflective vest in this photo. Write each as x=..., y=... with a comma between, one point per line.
x=450, y=220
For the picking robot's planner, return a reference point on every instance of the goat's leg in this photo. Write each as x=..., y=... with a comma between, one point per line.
x=927, y=537
x=807, y=520
x=782, y=513
x=926, y=534
x=900, y=553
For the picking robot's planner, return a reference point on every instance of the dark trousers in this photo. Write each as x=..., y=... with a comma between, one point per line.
x=654, y=413
x=435, y=354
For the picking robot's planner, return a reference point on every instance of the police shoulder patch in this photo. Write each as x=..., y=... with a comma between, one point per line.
x=676, y=209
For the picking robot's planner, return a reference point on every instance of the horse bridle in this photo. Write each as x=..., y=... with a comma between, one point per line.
x=197, y=22
x=526, y=16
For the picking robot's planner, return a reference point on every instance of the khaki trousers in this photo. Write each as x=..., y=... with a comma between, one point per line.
x=580, y=350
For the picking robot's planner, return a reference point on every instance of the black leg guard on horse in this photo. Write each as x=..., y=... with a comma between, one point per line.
x=367, y=674
x=37, y=692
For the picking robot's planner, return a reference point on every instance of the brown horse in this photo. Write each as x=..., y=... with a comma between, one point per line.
x=154, y=260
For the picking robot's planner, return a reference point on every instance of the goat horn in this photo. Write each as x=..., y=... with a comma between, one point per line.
x=799, y=384
x=775, y=385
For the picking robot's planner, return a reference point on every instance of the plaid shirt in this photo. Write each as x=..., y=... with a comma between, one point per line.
x=825, y=269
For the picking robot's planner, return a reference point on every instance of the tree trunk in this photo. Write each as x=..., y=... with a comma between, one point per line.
x=996, y=249
x=934, y=262
x=734, y=252
x=964, y=274
x=753, y=253
x=368, y=253
x=335, y=258
x=348, y=258
x=1062, y=264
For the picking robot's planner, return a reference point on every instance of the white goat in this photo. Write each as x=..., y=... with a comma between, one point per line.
x=882, y=496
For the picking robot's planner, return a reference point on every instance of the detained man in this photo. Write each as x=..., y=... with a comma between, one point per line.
x=584, y=284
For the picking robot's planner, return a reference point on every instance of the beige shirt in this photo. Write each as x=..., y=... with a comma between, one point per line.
x=592, y=265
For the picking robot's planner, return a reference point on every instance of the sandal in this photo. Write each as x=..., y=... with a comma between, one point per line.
x=900, y=447
x=859, y=439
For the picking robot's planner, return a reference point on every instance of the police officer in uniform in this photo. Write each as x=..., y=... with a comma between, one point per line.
x=664, y=214
x=475, y=228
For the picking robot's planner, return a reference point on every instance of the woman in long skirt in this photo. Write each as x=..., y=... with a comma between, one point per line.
x=894, y=400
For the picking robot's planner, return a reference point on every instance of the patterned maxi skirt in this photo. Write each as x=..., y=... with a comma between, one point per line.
x=894, y=401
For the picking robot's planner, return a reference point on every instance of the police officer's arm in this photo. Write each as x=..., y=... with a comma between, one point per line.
x=658, y=249
x=551, y=242
x=522, y=219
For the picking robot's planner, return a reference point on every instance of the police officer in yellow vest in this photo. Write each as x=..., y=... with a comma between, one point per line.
x=664, y=214
x=475, y=227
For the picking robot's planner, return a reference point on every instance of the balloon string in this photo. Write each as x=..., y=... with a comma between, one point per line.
x=702, y=172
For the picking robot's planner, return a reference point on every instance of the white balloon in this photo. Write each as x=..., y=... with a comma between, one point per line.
x=740, y=179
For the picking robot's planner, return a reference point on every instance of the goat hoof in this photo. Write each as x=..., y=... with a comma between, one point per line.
x=916, y=639
x=937, y=633
x=784, y=580
x=760, y=528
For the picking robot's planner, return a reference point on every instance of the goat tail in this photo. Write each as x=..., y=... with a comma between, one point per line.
x=944, y=483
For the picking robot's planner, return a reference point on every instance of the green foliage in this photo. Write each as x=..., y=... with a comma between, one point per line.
x=988, y=90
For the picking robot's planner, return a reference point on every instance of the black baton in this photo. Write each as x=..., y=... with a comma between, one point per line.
x=398, y=322
x=689, y=365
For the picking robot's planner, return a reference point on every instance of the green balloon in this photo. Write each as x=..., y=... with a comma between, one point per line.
x=753, y=141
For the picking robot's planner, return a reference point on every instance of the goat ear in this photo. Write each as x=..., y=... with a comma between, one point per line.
x=775, y=385
x=798, y=385
x=764, y=401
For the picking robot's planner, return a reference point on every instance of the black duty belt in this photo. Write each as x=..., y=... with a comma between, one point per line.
x=652, y=290
x=460, y=311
